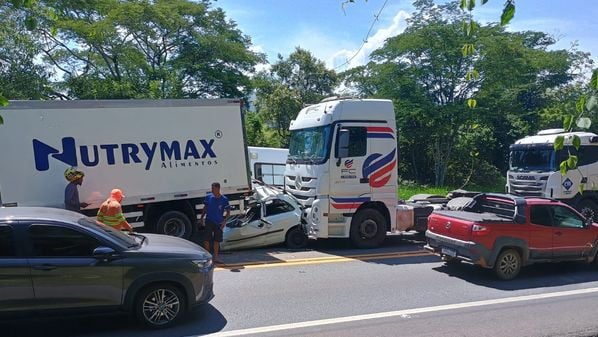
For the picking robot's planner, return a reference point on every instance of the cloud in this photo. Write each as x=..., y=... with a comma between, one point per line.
x=349, y=58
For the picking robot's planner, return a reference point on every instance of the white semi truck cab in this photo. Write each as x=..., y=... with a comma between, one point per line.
x=342, y=167
x=534, y=169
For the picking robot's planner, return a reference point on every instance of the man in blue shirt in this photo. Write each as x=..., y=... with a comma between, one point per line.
x=215, y=204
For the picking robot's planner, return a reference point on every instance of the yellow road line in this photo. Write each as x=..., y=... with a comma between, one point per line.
x=321, y=260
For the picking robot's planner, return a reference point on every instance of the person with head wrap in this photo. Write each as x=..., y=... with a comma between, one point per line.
x=71, y=192
x=111, y=213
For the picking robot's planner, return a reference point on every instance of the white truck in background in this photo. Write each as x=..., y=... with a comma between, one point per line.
x=164, y=155
x=342, y=167
x=534, y=169
x=267, y=164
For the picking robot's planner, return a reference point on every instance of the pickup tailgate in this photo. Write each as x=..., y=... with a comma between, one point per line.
x=446, y=224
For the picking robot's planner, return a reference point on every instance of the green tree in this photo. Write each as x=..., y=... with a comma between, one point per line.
x=146, y=49
x=21, y=77
x=424, y=72
x=291, y=83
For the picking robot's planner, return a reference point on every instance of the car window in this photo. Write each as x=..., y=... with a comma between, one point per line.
x=117, y=235
x=564, y=217
x=541, y=215
x=57, y=241
x=7, y=247
x=278, y=207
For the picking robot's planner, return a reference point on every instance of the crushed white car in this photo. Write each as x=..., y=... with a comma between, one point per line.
x=273, y=217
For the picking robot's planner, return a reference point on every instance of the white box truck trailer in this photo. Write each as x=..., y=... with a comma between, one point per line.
x=164, y=155
x=534, y=169
x=268, y=164
x=342, y=167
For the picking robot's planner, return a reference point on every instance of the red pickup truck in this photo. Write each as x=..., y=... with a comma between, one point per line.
x=505, y=232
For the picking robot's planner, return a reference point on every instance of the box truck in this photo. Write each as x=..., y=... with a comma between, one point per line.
x=342, y=167
x=267, y=164
x=164, y=155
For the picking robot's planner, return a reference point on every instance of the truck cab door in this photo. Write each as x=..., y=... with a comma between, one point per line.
x=347, y=183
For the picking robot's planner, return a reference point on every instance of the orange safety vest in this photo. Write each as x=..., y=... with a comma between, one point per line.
x=111, y=214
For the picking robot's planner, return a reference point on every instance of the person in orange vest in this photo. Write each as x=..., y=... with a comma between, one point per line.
x=111, y=213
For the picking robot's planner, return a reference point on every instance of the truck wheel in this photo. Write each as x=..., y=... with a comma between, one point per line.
x=508, y=264
x=368, y=229
x=174, y=223
x=159, y=306
x=589, y=209
x=296, y=238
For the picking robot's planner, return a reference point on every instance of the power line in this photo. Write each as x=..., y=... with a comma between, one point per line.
x=365, y=40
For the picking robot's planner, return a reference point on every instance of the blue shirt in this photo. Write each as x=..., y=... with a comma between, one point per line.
x=215, y=207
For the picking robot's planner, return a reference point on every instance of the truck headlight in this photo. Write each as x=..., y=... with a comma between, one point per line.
x=203, y=263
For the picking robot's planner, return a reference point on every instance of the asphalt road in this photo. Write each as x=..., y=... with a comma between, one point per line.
x=397, y=290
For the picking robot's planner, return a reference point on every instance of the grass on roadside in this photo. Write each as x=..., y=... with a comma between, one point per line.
x=405, y=191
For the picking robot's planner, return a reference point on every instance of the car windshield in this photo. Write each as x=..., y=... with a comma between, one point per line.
x=310, y=144
x=532, y=159
x=118, y=236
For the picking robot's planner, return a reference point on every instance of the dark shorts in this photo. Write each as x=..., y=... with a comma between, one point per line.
x=212, y=231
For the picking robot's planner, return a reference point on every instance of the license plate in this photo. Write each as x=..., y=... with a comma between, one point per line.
x=449, y=252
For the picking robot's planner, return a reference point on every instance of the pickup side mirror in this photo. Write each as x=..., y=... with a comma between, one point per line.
x=589, y=221
x=103, y=253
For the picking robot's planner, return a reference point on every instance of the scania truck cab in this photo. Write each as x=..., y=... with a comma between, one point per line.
x=342, y=167
x=534, y=169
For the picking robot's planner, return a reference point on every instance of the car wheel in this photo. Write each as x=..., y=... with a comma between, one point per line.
x=508, y=264
x=174, y=223
x=296, y=238
x=368, y=229
x=160, y=306
x=589, y=209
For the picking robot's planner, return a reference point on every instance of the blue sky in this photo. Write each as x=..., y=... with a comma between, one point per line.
x=334, y=35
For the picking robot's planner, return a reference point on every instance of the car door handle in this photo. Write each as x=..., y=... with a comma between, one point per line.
x=558, y=233
x=44, y=267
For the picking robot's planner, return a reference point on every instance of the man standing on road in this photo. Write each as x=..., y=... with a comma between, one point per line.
x=111, y=213
x=71, y=192
x=213, y=210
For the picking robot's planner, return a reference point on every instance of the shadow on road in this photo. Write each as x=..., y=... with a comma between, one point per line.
x=534, y=276
x=395, y=250
x=203, y=320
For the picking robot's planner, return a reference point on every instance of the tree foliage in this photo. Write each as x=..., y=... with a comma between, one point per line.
x=289, y=84
x=424, y=72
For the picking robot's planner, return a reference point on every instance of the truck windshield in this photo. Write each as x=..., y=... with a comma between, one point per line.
x=532, y=159
x=310, y=145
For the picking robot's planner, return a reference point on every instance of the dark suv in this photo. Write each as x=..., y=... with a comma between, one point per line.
x=53, y=260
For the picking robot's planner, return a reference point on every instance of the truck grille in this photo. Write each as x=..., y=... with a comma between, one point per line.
x=304, y=190
x=527, y=188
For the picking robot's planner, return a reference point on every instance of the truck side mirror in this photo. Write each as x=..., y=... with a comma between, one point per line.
x=342, y=147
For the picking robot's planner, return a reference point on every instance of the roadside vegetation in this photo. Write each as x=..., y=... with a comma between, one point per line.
x=109, y=49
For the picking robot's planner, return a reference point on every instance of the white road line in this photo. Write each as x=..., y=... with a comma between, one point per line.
x=347, y=319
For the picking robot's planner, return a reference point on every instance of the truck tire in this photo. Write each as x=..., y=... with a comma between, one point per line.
x=508, y=264
x=174, y=223
x=296, y=238
x=588, y=208
x=159, y=306
x=368, y=229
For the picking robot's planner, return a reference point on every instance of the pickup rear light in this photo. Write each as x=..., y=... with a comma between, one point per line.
x=479, y=230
